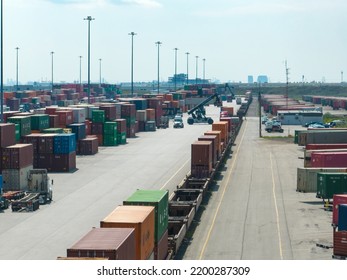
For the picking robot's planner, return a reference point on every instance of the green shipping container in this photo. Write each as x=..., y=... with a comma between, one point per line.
x=110, y=128
x=17, y=131
x=53, y=130
x=160, y=200
x=39, y=122
x=110, y=140
x=122, y=138
x=130, y=121
x=98, y=116
x=329, y=184
x=24, y=124
x=296, y=136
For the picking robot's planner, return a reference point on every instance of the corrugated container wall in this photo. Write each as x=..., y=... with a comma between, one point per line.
x=7, y=134
x=342, y=225
x=329, y=159
x=16, y=179
x=329, y=184
x=17, y=156
x=337, y=200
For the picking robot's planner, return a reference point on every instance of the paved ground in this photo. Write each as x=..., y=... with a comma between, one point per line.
x=254, y=212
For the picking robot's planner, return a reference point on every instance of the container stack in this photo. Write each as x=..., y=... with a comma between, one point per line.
x=340, y=226
x=7, y=137
x=121, y=131
x=214, y=140
x=158, y=199
x=141, y=118
x=222, y=126
x=17, y=160
x=141, y=218
x=24, y=123
x=39, y=122
x=329, y=184
x=110, y=134
x=98, y=120
x=219, y=140
x=128, y=112
x=157, y=105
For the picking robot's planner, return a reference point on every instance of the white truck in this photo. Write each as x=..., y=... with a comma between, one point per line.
x=39, y=182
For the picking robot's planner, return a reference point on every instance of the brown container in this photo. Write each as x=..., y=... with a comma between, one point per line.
x=128, y=110
x=340, y=243
x=97, y=128
x=110, y=243
x=150, y=113
x=228, y=120
x=63, y=162
x=7, y=134
x=88, y=124
x=65, y=117
x=161, y=248
x=45, y=143
x=17, y=156
x=121, y=125
x=219, y=139
x=110, y=112
x=201, y=153
x=214, y=140
x=223, y=128
x=139, y=217
x=51, y=110
x=53, y=121
x=32, y=139
x=88, y=146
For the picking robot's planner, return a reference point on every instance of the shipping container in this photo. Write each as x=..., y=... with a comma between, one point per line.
x=53, y=121
x=342, y=220
x=7, y=134
x=65, y=117
x=150, y=126
x=161, y=247
x=219, y=139
x=79, y=129
x=141, y=115
x=39, y=122
x=79, y=115
x=329, y=159
x=307, y=178
x=150, y=114
x=158, y=199
x=110, y=140
x=98, y=116
x=139, y=217
x=110, y=112
x=326, y=146
x=121, y=125
x=88, y=146
x=46, y=143
x=223, y=128
x=340, y=243
x=110, y=243
x=62, y=162
x=122, y=138
x=97, y=128
x=337, y=200
x=329, y=136
x=17, y=156
x=24, y=124
x=64, y=143
x=16, y=179
x=214, y=140
x=329, y=184
x=110, y=128
x=201, y=159
x=53, y=130
x=308, y=154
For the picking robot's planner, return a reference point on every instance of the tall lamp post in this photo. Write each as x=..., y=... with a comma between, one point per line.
x=100, y=71
x=2, y=66
x=204, y=61
x=17, y=68
x=196, y=70
x=158, y=43
x=132, y=62
x=175, y=49
x=80, y=72
x=52, y=53
x=89, y=18
x=187, y=53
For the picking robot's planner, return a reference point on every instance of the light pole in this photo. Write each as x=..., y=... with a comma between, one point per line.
x=89, y=18
x=52, y=53
x=204, y=61
x=17, y=68
x=132, y=62
x=158, y=43
x=100, y=72
x=2, y=67
x=196, y=70
x=187, y=53
x=80, y=72
x=176, y=49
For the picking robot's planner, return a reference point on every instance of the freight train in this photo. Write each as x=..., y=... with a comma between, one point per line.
x=151, y=224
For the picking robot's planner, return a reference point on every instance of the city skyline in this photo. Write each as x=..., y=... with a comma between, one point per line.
x=236, y=39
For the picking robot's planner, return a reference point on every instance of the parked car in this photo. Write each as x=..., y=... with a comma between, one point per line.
x=317, y=124
x=178, y=122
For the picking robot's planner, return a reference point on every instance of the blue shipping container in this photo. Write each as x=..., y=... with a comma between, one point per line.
x=64, y=143
x=342, y=217
x=79, y=129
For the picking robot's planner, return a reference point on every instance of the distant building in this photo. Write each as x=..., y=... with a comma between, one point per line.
x=262, y=79
x=250, y=79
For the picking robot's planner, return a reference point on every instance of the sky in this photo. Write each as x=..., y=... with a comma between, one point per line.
x=236, y=38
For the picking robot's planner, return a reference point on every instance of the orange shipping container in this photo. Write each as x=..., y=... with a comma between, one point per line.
x=223, y=128
x=219, y=139
x=139, y=217
x=150, y=114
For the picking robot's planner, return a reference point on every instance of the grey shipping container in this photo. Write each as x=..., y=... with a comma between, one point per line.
x=322, y=137
x=16, y=179
x=307, y=178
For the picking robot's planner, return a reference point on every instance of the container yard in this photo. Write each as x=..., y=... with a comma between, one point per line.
x=123, y=189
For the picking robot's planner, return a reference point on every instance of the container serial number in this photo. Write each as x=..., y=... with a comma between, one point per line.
x=226, y=270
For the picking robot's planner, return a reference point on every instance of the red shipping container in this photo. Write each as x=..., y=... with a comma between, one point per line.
x=32, y=139
x=88, y=124
x=340, y=243
x=53, y=121
x=110, y=112
x=51, y=110
x=337, y=200
x=329, y=159
x=17, y=156
x=88, y=146
x=326, y=146
x=7, y=134
x=128, y=110
x=150, y=114
x=65, y=118
x=45, y=143
x=64, y=162
x=202, y=153
x=97, y=128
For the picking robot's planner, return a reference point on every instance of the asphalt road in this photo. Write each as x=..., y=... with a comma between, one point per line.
x=254, y=211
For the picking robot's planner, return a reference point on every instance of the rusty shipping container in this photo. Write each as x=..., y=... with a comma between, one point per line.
x=110, y=243
x=17, y=156
x=139, y=217
x=7, y=134
x=337, y=200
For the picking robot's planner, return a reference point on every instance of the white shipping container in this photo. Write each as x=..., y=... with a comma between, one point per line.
x=16, y=179
x=79, y=115
x=141, y=115
x=307, y=178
